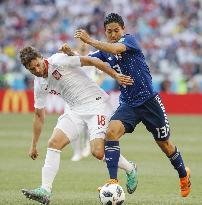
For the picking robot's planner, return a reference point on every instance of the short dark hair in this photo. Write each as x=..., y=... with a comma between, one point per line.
x=27, y=54
x=113, y=17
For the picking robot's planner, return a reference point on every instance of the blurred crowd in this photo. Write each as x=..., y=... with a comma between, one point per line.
x=169, y=31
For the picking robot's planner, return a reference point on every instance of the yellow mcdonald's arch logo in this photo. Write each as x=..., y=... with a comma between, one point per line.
x=14, y=100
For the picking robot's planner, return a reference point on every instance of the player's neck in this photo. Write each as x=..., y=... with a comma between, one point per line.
x=46, y=68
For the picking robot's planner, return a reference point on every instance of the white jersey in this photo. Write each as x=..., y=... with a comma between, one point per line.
x=92, y=72
x=67, y=79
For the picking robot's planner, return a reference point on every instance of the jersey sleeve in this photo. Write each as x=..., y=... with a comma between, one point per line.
x=130, y=42
x=40, y=94
x=74, y=61
x=98, y=54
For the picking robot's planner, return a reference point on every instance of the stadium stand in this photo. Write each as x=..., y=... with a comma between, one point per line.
x=170, y=32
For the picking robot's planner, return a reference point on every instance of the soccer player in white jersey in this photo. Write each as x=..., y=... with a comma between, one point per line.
x=81, y=146
x=62, y=75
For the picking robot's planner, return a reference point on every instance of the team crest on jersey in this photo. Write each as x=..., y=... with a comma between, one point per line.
x=56, y=74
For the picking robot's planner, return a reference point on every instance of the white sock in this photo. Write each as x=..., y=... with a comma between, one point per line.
x=76, y=146
x=50, y=168
x=85, y=145
x=125, y=164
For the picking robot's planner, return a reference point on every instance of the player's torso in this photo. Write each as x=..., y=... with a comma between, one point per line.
x=73, y=86
x=133, y=64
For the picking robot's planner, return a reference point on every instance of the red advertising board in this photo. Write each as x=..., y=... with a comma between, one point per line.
x=16, y=101
x=182, y=104
x=23, y=101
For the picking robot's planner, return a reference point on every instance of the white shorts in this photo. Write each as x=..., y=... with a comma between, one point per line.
x=71, y=125
x=96, y=119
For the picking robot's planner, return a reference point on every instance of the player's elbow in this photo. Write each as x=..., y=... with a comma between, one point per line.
x=117, y=49
x=86, y=61
x=39, y=115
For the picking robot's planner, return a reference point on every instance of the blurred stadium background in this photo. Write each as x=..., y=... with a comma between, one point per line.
x=170, y=33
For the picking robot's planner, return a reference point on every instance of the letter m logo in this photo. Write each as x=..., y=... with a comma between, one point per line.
x=15, y=101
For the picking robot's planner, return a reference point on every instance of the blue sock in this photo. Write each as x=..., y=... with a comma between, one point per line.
x=178, y=164
x=112, y=154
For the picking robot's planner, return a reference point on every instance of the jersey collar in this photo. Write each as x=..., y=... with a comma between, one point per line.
x=46, y=65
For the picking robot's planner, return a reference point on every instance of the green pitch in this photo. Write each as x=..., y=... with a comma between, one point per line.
x=77, y=182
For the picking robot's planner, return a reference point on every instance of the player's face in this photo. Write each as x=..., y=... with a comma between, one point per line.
x=113, y=32
x=37, y=67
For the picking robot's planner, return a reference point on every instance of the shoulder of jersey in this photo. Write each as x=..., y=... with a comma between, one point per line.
x=56, y=57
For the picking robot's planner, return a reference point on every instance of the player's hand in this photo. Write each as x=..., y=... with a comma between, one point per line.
x=82, y=34
x=66, y=49
x=33, y=153
x=123, y=79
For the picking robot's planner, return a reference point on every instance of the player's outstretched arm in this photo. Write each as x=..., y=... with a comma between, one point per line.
x=114, y=48
x=122, y=79
x=38, y=121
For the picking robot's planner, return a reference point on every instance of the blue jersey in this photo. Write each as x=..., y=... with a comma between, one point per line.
x=131, y=63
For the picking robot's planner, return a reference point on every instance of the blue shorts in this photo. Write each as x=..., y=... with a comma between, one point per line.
x=151, y=113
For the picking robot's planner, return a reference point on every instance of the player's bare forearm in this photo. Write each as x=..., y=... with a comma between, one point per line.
x=114, y=48
x=38, y=122
x=122, y=79
x=89, y=61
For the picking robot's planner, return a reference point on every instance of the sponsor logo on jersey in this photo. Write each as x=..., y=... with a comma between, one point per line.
x=98, y=98
x=53, y=92
x=56, y=74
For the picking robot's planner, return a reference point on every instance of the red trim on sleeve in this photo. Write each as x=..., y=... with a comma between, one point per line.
x=46, y=64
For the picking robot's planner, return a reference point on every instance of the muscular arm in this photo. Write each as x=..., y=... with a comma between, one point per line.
x=122, y=79
x=114, y=48
x=38, y=121
x=89, y=61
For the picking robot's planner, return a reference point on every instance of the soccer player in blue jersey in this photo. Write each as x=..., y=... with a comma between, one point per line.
x=138, y=102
